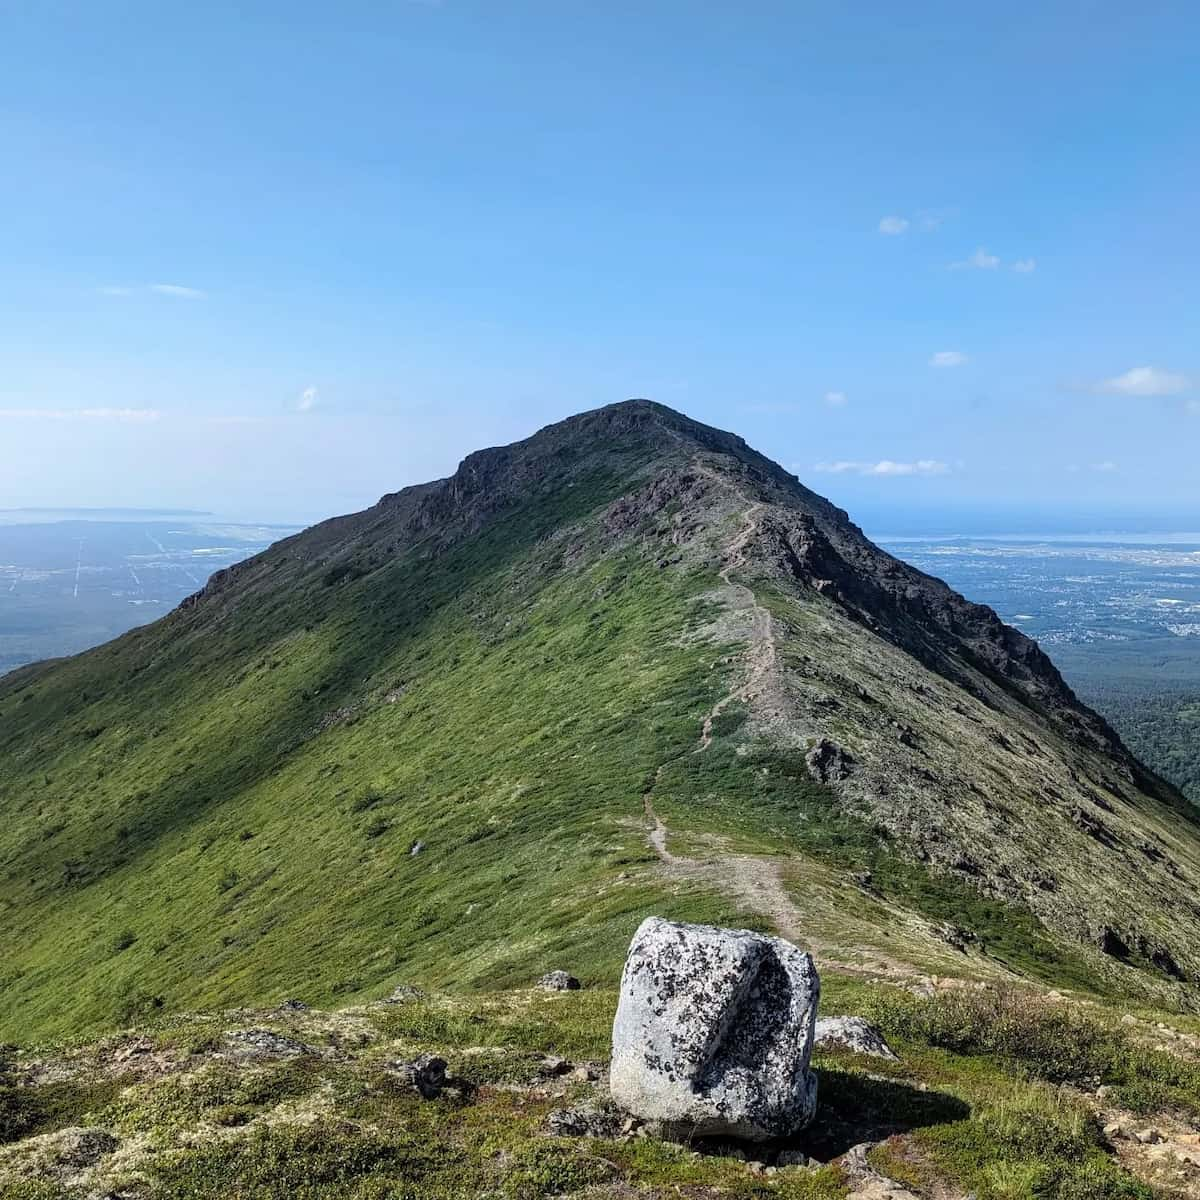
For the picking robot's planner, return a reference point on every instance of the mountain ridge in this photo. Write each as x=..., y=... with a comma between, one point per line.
x=502, y=666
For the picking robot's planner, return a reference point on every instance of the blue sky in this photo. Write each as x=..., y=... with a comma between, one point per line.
x=280, y=261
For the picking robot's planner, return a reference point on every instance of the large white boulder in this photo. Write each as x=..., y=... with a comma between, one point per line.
x=714, y=1031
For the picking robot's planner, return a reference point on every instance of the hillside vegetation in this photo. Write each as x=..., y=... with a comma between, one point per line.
x=430, y=741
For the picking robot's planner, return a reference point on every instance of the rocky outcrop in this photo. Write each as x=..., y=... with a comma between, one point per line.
x=714, y=1031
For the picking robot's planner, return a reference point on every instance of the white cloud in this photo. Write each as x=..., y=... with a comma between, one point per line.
x=178, y=291
x=1146, y=381
x=309, y=399
x=948, y=358
x=981, y=260
x=80, y=414
x=1104, y=467
x=885, y=467
x=115, y=291
x=893, y=225
x=1025, y=266
x=835, y=399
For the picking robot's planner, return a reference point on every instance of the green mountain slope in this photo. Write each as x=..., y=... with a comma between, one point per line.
x=428, y=741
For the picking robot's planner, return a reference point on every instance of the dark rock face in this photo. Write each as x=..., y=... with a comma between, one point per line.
x=828, y=762
x=426, y=1073
x=714, y=1031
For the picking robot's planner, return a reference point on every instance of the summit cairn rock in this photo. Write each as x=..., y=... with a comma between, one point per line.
x=714, y=1032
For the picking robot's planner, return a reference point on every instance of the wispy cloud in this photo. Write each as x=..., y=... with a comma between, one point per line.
x=1146, y=381
x=981, y=260
x=80, y=414
x=930, y=219
x=175, y=290
x=309, y=399
x=1025, y=266
x=925, y=220
x=836, y=399
x=178, y=291
x=885, y=467
x=1107, y=467
x=948, y=358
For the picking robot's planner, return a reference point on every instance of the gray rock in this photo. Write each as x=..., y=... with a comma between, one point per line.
x=714, y=1031
x=853, y=1033
x=426, y=1073
x=794, y=1158
x=558, y=981
x=293, y=1006
x=83, y=1147
x=403, y=993
x=827, y=762
x=264, y=1043
x=583, y=1122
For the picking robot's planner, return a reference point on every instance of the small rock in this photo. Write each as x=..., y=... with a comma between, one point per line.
x=293, y=1006
x=852, y=1033
x=828, y=762
x=552, y=1065
x=953, y=935
x=792, y=1158
x=1129, y=1019
x=584, y=1122
x=1114, y=1129
x=403, y=993
x=265, y=1043
x=586, y=1073
x=426, y=1073
x=134, y=1049
x=416, y=849
x=558, y=981
x=83, y=1147
x=1149, y=1137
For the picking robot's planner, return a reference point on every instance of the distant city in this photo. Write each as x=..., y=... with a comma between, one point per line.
x=71, y=579
x=1071, y=589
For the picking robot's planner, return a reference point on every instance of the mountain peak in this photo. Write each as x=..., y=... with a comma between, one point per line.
x=625, y=623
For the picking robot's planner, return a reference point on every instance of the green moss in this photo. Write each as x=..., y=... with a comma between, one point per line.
x=27, y=1110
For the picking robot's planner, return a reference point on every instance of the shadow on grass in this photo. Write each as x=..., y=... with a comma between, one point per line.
x=851, y=1109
